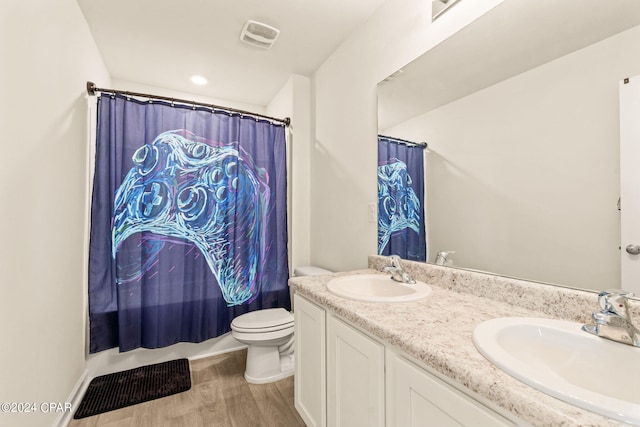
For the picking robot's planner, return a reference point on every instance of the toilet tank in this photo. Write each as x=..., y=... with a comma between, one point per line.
x=310, y=270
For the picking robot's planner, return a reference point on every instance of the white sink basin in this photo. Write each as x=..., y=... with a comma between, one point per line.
x=559, y=359
x=377, y=288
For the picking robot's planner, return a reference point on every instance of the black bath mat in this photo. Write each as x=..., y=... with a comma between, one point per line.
x=118, y=390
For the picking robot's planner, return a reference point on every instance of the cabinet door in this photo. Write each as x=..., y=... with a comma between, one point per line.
x=418, y=399
x=355, y=377
x=310, y=362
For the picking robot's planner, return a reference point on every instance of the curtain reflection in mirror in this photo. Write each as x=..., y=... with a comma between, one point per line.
x=401, y=213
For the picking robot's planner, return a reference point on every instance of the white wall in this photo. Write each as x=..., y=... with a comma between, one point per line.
x=294, y=101
x=119, y=84
x=523, y=177
x=344, y=155
x=47, y=56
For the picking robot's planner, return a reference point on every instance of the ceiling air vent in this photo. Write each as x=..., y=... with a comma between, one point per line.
x=259, y=34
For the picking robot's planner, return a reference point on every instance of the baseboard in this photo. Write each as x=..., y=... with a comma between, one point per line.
x=219, y=352
x=75, y=397
x=109, y=361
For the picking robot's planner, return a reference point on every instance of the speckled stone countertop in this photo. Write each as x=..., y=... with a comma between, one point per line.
x=437, y=331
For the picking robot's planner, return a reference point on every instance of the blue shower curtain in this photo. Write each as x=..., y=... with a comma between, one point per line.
x=188, y=223
x=401, y=214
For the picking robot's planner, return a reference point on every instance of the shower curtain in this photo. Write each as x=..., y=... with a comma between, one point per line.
x=188, y=223
x=401, y=213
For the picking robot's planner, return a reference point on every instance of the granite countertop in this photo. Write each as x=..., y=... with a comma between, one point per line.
x=437, y=332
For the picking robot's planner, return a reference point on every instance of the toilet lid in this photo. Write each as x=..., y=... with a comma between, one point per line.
x=263, y=320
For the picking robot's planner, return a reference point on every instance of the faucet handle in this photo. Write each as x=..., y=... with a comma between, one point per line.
x=614, y=301
x=395, y=260
x=442, y=257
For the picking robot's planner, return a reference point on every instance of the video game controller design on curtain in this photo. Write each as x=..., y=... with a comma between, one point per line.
x=183, y=189
x=398, y=204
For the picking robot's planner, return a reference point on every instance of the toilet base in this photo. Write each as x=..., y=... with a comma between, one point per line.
x=266, y=365
x=271, y=379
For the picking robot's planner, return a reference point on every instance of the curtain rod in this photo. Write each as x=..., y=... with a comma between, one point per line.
x=92, y=89
x=404, y=141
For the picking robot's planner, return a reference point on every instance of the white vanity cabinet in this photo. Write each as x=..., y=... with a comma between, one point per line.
x=310, y=362
x=355, y=377
x=417, y=398
x=345, y=378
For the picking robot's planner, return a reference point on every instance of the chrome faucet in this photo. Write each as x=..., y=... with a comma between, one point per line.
x=397, y=272
x=442, y=257
x=614, y=320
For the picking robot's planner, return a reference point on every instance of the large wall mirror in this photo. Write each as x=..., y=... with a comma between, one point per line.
x=520, y=111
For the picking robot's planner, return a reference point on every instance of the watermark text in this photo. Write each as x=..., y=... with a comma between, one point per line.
x=33, y=407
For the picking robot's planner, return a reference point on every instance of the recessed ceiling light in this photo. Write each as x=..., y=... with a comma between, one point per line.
x=198, y=80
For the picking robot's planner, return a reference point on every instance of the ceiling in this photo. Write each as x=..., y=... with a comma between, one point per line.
x=164, y=42
x=515, y=36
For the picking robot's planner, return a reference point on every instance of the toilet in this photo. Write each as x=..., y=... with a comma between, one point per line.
x=268, y=334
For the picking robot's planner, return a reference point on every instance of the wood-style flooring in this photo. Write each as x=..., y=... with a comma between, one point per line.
x=219, y=396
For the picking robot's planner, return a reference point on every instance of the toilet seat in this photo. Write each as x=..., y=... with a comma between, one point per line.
x=262, y=330
x=263, y=321
x=262, y=338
